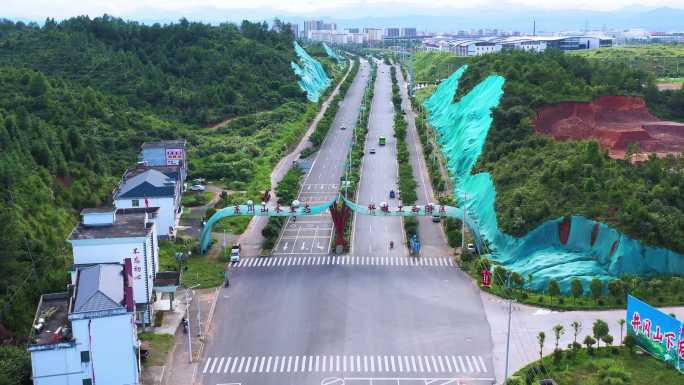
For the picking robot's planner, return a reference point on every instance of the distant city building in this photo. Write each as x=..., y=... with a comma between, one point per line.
x=485, y=45
x=312, y=25
x=392, y=32
x=352, y=30
x=88, y=332
x=329, y=26
x=374, y=34
x=295, y=29
x=407, y=32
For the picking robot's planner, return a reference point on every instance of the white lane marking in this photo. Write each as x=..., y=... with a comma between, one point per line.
x=242, y=361
x=256, y=361
x=387, y=364
x=285, y=246
x=311, y=361
x=365, y=363
x=448, y=364
x=477, y=367
x=372, y=363
x=289, y=364
x=296, y=364
x=317, y=362
x=206, y=366
x=484, y=367
x=225, y=369
x=434, y=364
x=218, y=368
x=268, y=364
x=303, y=368
x=392, y=363
x=470, y=366
x=427, y=364
x=358, y=363
x=232, y=368
x=413, y=364
x=460, y=360
x=337, y=364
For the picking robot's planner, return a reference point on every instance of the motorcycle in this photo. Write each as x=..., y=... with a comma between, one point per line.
x=391, y=244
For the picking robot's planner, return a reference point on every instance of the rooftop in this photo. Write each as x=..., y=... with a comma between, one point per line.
x=128, y=223
x=172, y=172
x=100, y=287
x=51, y=319
x=167, y=278
x=147, y=183
x=178, y=143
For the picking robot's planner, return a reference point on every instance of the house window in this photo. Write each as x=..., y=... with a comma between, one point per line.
x=85, y=356
x=87, y=381
x=135, y=203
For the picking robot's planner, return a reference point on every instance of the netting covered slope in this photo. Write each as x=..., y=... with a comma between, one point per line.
x=313, y=79
x=332, y=53
x=560, y=249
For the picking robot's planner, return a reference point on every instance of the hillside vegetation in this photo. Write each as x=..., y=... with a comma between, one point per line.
x=77, y=100
x=186, y=71
x=538, y=179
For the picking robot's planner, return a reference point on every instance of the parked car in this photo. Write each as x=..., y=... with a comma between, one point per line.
x=436, y=218
x=343, y=128
x=198, y=187
x=470, y=247
x=372, y=150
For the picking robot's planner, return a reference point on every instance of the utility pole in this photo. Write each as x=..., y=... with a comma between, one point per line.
x=187, y=319
x=508, y=338
x=465, y=215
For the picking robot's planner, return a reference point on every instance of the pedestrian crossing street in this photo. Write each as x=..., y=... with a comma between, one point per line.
x=304, y=260
x=387, y=365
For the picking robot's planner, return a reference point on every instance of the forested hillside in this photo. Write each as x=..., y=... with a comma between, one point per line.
x=192, y=72
x=79, y=97
x=538, y=179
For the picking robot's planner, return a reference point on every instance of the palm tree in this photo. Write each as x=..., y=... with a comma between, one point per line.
x=621, y=322
x=558, y=331
x=576, y=329
x=540, y=339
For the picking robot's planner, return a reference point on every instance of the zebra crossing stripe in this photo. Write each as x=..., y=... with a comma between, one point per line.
x=427, y=364
x=225, y=369
x=477, y=367
x=484, y=367
x=206, y=366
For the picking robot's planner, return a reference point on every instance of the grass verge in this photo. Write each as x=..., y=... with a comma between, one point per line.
x=205, y=270
x=159, y=345
x=609, y=365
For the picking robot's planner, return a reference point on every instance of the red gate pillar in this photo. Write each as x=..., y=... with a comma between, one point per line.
x=340, y=215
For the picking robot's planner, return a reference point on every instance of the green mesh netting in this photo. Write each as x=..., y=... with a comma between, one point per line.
x=332, y=53
x=560, y=249
x=257, y=211
x=313, y=79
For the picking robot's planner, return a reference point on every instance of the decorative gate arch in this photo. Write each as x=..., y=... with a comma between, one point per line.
x=339, y=213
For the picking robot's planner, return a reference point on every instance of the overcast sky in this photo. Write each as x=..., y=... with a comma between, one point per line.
x=39, y=9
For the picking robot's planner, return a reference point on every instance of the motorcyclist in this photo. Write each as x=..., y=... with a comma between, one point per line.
x=391, y=244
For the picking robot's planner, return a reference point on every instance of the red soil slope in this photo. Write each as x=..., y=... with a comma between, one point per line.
x=615, y=121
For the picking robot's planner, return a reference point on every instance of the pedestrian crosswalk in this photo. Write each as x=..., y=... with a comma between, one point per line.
x=335, y=364
x=304, y=260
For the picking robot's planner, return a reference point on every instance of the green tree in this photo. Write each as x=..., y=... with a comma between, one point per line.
x=589, y=341
x=15, y=366
x=38, y=85
x=541, y=337
x=616, y=289
x=630, y=342
x=599, y=330
x=596, y=288
x=554, y=288
x=576, y=329
x=517, y=279
x=621, y=322
x=558, y=331
x=576, y=289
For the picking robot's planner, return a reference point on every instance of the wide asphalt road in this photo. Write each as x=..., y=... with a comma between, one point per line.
x=373, y=317
x=347, y=320
x=310, y=235
x=379, y=175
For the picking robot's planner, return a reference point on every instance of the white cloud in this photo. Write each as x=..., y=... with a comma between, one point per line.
x=39, y=9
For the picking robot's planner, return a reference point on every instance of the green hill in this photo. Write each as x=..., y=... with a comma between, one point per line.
x=538, y=179
x=79, y=97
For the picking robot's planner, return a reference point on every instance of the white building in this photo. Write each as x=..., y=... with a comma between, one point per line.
x=112, y=236
x=166, y=153
x=150, y=187
x=88, y=333
x=374, y=34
